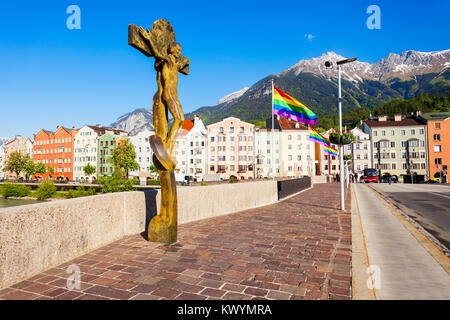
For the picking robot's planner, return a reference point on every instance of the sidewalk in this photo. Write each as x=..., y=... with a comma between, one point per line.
x=407, y=270
x=299, y=248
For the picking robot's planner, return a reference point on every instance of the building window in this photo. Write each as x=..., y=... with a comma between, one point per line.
x=403, y=132
x=437, y=148
x=437, y=125
x=392, y=132
x=437, y=137
x=422, y=131
x=375, y=133
x=383, y=133
x=392, y=144
x=438, y=161
x=232, y=131
x=413, y=132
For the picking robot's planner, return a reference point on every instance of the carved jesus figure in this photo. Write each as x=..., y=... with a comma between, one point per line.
x=166, y=67
x=160, y=43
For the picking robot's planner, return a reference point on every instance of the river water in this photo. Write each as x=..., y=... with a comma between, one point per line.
x=16, y=202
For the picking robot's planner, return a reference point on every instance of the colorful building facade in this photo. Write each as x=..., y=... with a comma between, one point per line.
x=399, y=146
x=230, y=149
x=190, y=149
x=438, y=131
x=55, y=150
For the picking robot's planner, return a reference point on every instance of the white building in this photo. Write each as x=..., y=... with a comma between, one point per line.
x=294, y=153
x=144, y=153
x=297, y=153
x=361, y=151
x=86, y=149
x=263, y=152
x=2, y=162
x=190, y=149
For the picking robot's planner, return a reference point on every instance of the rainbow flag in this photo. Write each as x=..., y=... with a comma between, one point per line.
x=330, y=150
x=317, y=137
x=287, y=107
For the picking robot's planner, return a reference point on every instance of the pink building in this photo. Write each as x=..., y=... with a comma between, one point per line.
x=230, y=149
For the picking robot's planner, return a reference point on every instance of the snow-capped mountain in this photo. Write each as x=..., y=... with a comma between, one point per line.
x=232, y=96
x=135, y=121
x=364, y=84
x=405, y=65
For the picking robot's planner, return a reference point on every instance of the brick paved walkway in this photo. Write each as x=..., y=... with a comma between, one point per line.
x=297, y=249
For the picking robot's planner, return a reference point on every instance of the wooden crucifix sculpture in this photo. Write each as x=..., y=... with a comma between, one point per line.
x=160, y=43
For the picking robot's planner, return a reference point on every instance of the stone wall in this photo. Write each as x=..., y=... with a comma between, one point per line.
x=37, y=237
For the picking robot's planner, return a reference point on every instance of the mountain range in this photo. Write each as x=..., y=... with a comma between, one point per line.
x=135, y=121
x=364, y=85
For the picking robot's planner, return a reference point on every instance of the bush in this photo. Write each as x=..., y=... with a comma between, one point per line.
x=115, y=184
x=233, y=179
x=10, y=189
x=80, y=192
x=152, y=182
x=45, y=190
x=203, y=183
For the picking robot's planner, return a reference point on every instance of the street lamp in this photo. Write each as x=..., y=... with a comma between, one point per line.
x=329, y=64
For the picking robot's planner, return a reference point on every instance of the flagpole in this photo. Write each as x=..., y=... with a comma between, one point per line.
x=273, y=128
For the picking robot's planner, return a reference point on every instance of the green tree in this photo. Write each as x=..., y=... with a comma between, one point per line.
x=50, y=170
x=40, y=168
x=30, y=168
x=16, y=163
x=153, y=169
x=124, y=157
x=88, y=169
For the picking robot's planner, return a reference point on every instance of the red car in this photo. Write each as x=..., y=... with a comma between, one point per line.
x=370, y=175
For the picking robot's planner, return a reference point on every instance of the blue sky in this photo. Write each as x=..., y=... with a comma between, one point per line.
x=50, y=75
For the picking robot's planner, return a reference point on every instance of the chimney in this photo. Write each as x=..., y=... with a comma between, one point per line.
x=196, y=118
x=57, y=127
x=297, y=125
x=73, y=127
x=398, y=117
x=418, y=113
x=382, y=118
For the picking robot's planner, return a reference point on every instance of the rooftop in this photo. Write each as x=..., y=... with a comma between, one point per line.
x=430, y=116
x=390, y=122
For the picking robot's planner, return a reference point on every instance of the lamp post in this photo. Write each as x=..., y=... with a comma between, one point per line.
x=329, y=64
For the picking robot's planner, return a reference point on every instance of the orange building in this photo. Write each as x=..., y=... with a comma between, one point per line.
x=55, y=149
x=438, y=127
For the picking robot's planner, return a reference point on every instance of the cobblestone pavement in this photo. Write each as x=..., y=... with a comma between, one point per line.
x=299, y=248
